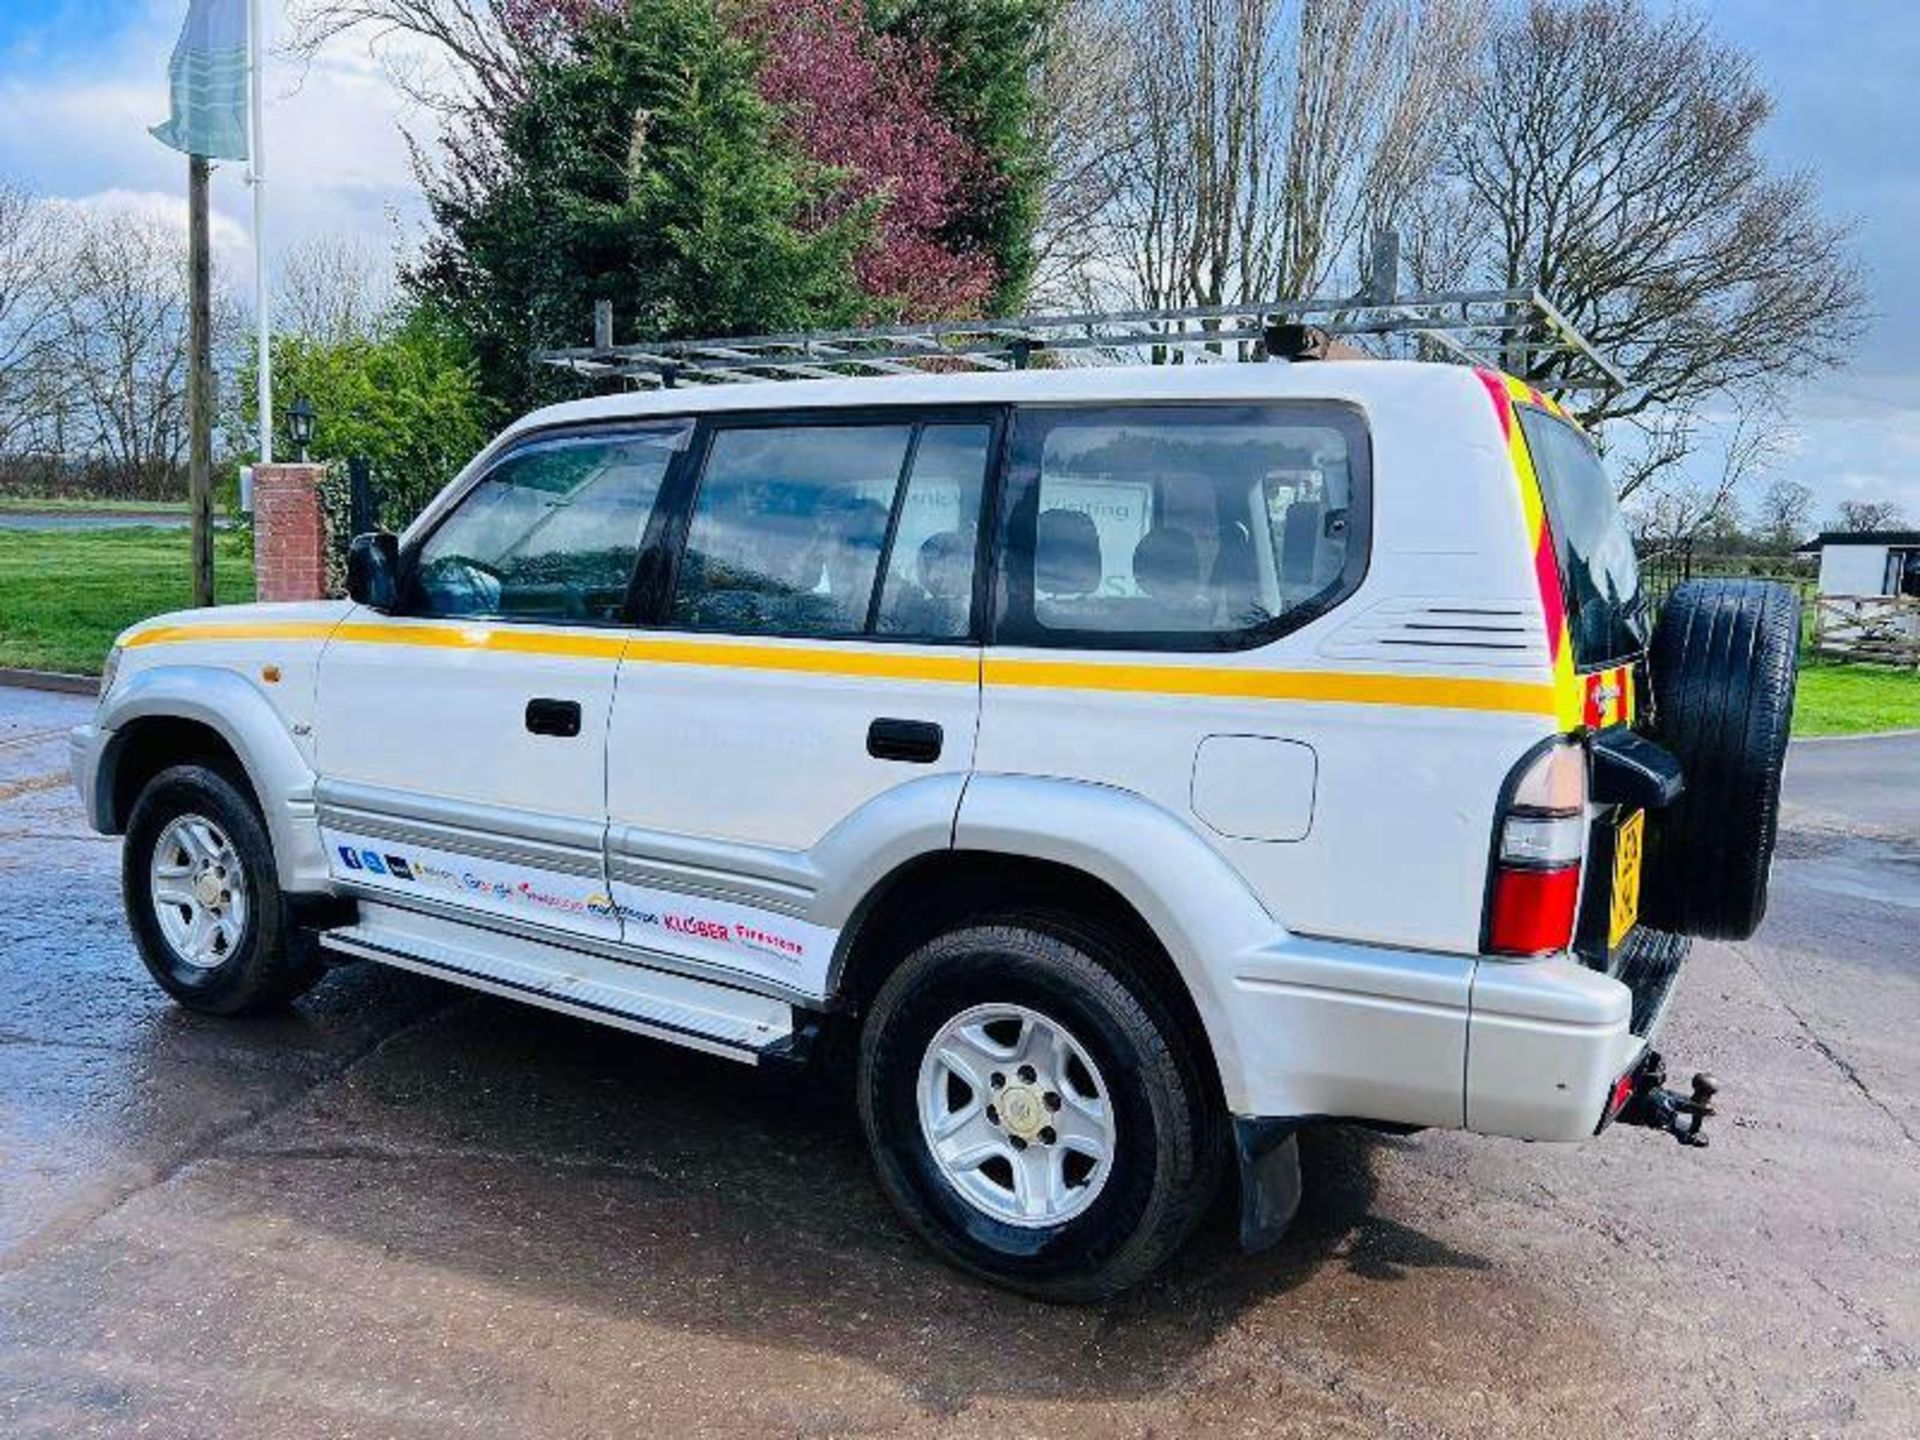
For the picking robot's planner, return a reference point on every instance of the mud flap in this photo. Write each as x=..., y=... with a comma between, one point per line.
x=1269, y=1156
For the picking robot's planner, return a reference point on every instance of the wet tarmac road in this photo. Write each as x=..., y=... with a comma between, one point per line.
x=83, y=520
x=403, y=1210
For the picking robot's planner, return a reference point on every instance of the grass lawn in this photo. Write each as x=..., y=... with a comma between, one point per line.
x=64, y=594
x=1837, y=699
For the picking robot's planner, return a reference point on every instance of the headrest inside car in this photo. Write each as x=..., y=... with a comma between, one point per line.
x=1066, y=558
x=1166, y=563
x=946, y=564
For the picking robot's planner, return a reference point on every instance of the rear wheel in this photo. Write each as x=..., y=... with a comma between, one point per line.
x=1034, y=1112
x=203, y=899
x=1723, y=664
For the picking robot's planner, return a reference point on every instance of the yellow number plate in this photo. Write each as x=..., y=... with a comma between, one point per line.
x=1628, y=841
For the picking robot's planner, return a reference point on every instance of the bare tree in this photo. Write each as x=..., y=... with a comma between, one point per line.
x=29, y=305
x=458, y=58
x=1246, y=147
x=448, y=55
x=1672, y=506
x=1082, y=118
x=1371, y=78
x=1854, y=516
x=1194, y=213
x=334, y=288
x=121, y=346
x=1785, y=513
x=1607, y=155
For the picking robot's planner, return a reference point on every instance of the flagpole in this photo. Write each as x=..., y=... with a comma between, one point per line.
x=257, y=175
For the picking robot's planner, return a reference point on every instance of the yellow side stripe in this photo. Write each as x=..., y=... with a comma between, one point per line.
x=184, y=634
x=1442, y=692
x=495, y=639
x=1339, y=687
x=879, y=663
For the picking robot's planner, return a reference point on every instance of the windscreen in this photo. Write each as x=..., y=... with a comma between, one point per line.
x=1598, y=571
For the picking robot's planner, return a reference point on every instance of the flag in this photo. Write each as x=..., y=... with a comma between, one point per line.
x=209, y=78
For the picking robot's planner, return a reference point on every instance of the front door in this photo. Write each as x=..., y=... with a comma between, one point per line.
x=462, y=740
x=812, y=697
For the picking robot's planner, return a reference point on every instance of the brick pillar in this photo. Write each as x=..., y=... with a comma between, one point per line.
x=289, y=536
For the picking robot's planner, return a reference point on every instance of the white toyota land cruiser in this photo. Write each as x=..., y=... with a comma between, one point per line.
x=1132, y=764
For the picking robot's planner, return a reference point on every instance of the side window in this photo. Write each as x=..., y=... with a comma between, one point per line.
x=551, y=533
x=928, y=590
x=1903, y=573
x=794, y=527
x=1182, y=527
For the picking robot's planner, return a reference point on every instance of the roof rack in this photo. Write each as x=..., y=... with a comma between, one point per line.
x=1515, y=330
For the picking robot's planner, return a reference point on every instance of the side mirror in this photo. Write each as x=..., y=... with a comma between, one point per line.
x=373, y=569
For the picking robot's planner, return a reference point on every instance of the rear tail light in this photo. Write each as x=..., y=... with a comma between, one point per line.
x=1533, y=896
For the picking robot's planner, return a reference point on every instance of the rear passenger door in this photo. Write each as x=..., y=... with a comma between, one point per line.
x=1164, y=565
x=803, y=710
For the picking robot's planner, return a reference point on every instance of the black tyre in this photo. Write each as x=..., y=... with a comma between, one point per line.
x=203, y=899
x=1723, y=663
x=1035, y=1112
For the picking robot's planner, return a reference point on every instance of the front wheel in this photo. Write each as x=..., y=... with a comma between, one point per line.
x=1035, y=1112
x=203, y=899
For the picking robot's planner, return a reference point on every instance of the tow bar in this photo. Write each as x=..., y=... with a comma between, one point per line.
x=1653, y=1105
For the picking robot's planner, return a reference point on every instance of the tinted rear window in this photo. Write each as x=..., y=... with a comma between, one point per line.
x=1598, y=571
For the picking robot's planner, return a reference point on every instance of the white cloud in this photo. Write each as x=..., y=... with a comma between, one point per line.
x=231, y=243
x=1846, y=436
x=337, y=157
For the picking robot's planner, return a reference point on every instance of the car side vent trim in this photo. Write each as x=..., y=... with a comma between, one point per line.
x=1507, y=634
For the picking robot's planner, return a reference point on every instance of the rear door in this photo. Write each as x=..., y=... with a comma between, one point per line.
x=1606, y=636
x=806, y=705
x=1599, y=574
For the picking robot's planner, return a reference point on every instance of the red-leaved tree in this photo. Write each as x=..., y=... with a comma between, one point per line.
x=861, y=105
x=542, y=27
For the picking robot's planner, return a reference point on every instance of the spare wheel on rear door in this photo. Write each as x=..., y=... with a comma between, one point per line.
x=1723, y=663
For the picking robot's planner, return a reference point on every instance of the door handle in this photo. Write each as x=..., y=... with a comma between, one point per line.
x=554, y=717
x=917, y=742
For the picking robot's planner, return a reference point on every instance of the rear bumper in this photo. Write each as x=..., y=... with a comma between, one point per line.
x=1547, y=1039
x=1325, y=1030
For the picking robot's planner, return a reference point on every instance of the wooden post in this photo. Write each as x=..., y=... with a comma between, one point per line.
x=200, y=380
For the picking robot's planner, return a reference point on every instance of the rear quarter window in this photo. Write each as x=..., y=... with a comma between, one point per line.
x=1599, y=573
x=1181, y=527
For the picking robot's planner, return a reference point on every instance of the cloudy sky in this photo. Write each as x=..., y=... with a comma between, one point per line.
x=80, y=80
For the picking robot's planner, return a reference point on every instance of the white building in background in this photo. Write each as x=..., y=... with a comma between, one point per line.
x=1868, y=562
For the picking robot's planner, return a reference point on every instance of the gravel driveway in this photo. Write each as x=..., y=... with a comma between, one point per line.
x=405, y=1210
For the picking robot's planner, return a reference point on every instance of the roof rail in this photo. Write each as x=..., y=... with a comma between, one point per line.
x=1515, y=330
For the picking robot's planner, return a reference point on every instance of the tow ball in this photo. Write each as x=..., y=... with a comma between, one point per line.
x=1653, y=1105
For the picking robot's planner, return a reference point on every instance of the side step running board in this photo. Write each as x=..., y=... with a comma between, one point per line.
x=716, y=1019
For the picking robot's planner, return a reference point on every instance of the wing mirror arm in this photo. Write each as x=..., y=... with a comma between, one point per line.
x=373, y=570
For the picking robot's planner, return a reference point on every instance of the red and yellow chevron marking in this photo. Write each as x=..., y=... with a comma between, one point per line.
x=1607, y=697
x=1568, y=693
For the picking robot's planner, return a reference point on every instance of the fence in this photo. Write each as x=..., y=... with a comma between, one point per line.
x=1665, y=569
x=1884, y=629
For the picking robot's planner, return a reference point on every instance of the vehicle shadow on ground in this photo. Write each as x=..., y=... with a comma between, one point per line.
x=673, y=1189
